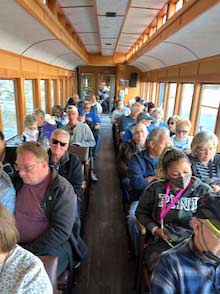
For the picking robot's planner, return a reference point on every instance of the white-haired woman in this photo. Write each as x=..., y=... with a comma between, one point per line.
x=205, y=162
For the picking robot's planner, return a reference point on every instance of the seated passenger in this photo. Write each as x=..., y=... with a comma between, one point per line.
x=141, y=170
x=73, y=100
x=171, y=122
x=30, y=132
x=91, y=116
x=46, y=207
x=182, y=140
x=61, y=116
x=167, y=205
x=20, y=270
x=80, y=133
x=194, y=265
x=67, y=165
x=45, y=128
x=157, y=115
x=205, y=162
x=2, y=147
x=7, y=191
x=144, y=118
x=126, y=121
x=126, y=150
x=119, y=111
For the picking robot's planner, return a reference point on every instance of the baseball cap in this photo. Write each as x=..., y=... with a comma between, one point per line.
x=72, y=108
x=144, y=116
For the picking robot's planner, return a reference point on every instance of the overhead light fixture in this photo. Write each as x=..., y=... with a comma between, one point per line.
x=110, y=14
x=108, y=44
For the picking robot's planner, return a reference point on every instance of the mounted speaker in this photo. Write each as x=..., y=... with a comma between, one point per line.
x=133, y=79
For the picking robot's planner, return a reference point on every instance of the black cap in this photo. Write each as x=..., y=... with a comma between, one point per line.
x=208, y=207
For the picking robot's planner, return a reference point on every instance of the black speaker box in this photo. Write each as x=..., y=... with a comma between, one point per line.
x=133, y=79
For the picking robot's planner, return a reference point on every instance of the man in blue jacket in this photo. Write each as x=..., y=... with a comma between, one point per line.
x=141, y=171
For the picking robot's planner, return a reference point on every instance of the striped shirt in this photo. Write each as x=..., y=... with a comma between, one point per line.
x=204, y=172
x=183, y=270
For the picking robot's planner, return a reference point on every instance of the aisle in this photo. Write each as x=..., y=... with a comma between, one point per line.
x=109, y=269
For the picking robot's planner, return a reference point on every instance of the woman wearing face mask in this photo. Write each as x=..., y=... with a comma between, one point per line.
x=157, y=114
x=120, y=110
x=30, y=132
x=167, y=205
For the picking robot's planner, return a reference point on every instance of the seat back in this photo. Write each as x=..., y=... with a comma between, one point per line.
x=50, y=264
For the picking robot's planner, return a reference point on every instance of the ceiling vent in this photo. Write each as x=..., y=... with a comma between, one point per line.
x=108, y=44
x=110, y=14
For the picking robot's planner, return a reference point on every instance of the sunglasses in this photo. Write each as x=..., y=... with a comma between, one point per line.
x=55, y=142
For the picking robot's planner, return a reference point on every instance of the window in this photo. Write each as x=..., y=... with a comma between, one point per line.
x=210, y=100
x=43, y=95
x=52, y=92
x=60, y=92
x=8, y=108
x=179, y=5
x=148, y=91
x=29, y=96
x=186, y=100
x=154, y=92
x=171, y=99
x=161, y=95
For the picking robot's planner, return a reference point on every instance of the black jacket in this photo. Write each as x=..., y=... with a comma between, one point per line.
x=70, y=167
x=61, y=210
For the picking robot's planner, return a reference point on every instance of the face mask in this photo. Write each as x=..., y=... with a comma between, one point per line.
x=120, y=106
x=32, y=134
x=181, y=182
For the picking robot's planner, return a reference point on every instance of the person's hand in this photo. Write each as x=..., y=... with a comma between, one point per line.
x=162, y=234
x=150, y=178
x=215, y=188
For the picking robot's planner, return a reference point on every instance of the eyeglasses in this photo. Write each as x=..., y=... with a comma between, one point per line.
x=182, y=131
x=206, y=150
x=27, y=168
x=55, y=142
x=211, y=227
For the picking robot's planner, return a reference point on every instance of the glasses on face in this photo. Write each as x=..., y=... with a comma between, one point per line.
x=206, y=150
x=212, y=228
x=182, y=131
x=55, y=142
x=26, y=168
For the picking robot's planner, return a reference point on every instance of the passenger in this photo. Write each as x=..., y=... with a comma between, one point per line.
x=126, y=150
x=119, y=111
x=7, y=191
x=61, y=116
x=46, y=207
x=45, y=128
x=67, y=165
x=30, y=132
x=194, y=265
x=20, y=270
x=157, y=115
x=126, y=121
x=142, y=117
x=82, y=118
x=141, y=170
x=167, y=205
x=150, y=107
x=182, y=140
x=80, y=133
x=95, y=105
x=171, y=122
x=205, y=162
x=73, y=100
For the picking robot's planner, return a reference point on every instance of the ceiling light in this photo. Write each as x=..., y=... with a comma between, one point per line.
x=108, y=44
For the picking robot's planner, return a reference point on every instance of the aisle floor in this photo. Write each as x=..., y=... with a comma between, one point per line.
x=109, y=268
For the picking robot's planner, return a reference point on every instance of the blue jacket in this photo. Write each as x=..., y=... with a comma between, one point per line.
x=7, y=192
x=140, y=166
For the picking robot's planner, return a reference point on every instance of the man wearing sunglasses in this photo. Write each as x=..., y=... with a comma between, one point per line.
x=67, y=165
x=45, y=208
x=194, y=265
